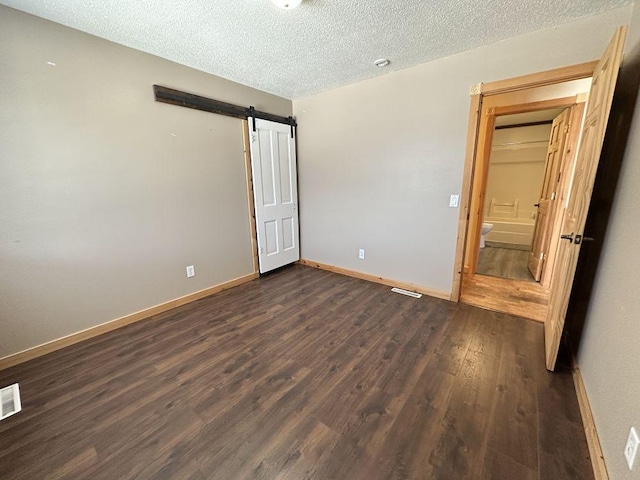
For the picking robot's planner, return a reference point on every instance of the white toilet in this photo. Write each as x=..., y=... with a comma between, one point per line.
x=486, y=228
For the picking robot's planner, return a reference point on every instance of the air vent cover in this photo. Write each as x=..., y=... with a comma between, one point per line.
x=9, y=401
x=406, y=292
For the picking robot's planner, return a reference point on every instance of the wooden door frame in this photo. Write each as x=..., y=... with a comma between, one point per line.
x=481, y=169
x=478, y=93
x=246, y=137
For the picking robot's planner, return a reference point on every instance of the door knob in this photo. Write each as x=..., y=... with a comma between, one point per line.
x=567, y=237
x=536, y=204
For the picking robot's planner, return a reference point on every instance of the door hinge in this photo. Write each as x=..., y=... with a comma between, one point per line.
x=566, y=128
x=553, y=195
x=542, y=255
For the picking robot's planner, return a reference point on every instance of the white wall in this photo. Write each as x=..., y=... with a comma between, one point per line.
x=516, y=171
x=106, y=195
x=379, y=159
x=609, y=355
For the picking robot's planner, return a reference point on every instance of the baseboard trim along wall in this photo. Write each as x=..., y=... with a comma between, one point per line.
x=52, y=346
x=374, y=278
x=595, y=450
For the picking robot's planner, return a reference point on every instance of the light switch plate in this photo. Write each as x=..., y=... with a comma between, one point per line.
x=453, y=201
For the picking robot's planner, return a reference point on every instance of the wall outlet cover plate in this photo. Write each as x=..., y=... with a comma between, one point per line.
x=631, y=448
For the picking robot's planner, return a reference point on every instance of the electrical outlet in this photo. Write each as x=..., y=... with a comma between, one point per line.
x=631, y=448
x=191, y=271
x=361, y=254
x=453, y=200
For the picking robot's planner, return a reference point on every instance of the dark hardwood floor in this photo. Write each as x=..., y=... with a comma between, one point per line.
x=302, y=374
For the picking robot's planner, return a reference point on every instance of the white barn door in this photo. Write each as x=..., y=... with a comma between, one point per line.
x=275, y=190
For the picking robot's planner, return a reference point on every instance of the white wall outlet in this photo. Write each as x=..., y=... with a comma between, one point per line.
x=453, y=201
x=191, y=271
x=631, y=448
x=361, y=254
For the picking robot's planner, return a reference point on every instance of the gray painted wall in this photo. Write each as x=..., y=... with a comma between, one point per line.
x=105, y=195
x=609, y=356
x=378, y=159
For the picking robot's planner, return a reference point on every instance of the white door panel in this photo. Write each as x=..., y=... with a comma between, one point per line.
x=275, y=189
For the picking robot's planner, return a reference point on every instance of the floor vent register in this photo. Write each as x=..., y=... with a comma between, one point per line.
x=9, y=401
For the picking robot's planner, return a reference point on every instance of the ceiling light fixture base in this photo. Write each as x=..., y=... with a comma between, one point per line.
x=287, y=4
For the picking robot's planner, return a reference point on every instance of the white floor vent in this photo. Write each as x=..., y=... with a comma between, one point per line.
x=9, y=401
x=406, y=292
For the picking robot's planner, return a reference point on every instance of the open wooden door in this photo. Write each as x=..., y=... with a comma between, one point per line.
x=546, y=204
x=577, y=203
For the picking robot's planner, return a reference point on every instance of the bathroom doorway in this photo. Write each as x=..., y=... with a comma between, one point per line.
x=575, y=182
x=519, y=204
x=519, y=178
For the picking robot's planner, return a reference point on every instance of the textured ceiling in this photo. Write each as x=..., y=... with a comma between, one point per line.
x=320, y=45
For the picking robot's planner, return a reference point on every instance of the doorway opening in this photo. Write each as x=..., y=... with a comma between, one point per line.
x=523, y=163
x=515, y=209
x=530, y=162
x=574, y=184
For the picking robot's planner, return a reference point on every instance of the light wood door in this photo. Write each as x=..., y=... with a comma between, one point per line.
x=575, y=213
x=548, y=193
x=275, y=190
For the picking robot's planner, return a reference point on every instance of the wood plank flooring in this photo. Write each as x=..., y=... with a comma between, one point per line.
x=504, y=263
x=302, y=374
x=525, y=299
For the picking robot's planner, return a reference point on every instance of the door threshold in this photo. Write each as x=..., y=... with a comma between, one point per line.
x=515, y=297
